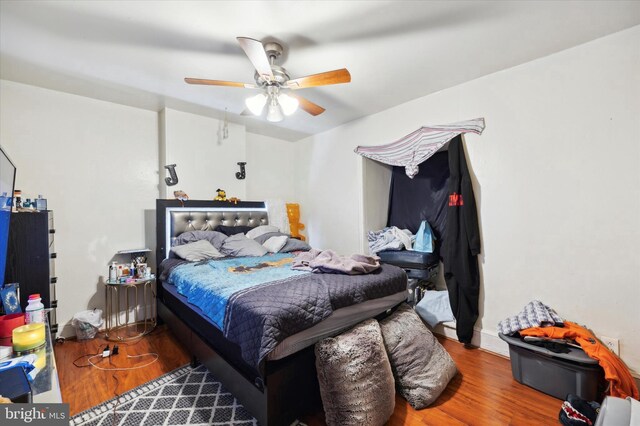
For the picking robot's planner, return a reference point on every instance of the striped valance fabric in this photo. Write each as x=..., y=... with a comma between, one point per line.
x=418, y=146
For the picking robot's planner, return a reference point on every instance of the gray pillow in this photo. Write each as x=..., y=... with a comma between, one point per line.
x=295, y=245
x=214, y=237
x=197, y=251
x=261, y=230
x=264, y=237
x=356, y=382
x=291, y=245
x=239, y=245
x=421, y=366
x=275, y=244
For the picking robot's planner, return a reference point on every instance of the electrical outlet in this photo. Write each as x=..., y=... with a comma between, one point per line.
x=611, y=343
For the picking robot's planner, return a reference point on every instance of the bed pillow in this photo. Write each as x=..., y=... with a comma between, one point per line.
x=421, y=366
x=356, y=382
x=239, y=245
x=214, y=237
x=264, y=237
x=275, y=244
x=261, y=230
x=197, y=251
x=232, y=230
x=292, y=244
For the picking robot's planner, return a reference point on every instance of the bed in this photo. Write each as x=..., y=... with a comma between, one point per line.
x=276, y=381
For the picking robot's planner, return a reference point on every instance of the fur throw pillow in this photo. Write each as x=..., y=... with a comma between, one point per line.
x=421, y=366
x=356, y=382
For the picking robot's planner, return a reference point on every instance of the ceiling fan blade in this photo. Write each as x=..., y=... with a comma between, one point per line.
x=323, y=79
x=308, y=106
x=258, y=57
x=219, y=83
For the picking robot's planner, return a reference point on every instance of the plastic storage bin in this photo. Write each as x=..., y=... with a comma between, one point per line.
x=555, y=374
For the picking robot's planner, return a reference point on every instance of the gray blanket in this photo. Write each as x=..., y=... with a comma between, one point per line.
x=534, y=314
x=328, y=261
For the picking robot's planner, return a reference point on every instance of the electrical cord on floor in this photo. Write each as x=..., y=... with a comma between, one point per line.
x=101, y=355
x=83, y=356
x=136, y=340
x=155, y=355
x=108, y=354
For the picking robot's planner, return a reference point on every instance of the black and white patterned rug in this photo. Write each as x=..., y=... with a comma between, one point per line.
x=186, y=396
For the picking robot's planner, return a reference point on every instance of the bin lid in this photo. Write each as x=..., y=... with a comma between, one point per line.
x=574, y=355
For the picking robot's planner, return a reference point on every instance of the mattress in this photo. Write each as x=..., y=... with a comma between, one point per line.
x=340, y=320
x=337, y=322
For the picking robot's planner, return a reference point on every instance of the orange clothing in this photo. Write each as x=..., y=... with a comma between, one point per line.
x=621, y=383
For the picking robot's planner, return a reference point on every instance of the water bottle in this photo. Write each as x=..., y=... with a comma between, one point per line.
x=35, y=310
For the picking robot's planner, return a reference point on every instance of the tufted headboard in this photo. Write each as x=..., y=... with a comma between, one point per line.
x=174, y=218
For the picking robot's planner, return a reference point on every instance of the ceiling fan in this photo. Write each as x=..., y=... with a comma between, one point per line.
x=277, y=88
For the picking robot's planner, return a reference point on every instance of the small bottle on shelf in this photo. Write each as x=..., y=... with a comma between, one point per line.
x=41, y=203
x=35, y=309
x=113, y=272
x=17, y=194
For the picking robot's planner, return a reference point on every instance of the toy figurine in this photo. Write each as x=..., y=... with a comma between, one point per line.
x=293, y=212
x=222, y=195
x=233, y=200
x=181, y=196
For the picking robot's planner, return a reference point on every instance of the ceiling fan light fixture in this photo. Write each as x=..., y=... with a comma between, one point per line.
x=256, y=103
x=288, y=103
x=274, y=112
x=270, y=78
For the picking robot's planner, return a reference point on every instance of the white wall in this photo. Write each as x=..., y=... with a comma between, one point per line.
x=557, y=180
x=270, y=168
x=96, y=163
x=205, y=161
x=376, y=179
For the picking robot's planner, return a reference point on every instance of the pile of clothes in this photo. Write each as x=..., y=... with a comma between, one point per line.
x=330, y=262
x=539, y=324
x=390, y=238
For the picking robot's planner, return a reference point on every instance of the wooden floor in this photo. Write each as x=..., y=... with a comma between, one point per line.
x=483, y=392
x=84, y=387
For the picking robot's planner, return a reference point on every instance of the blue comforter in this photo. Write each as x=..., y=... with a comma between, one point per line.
x=257, y=302
x=210, y=284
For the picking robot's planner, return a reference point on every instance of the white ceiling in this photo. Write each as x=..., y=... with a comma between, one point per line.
x=138, y=52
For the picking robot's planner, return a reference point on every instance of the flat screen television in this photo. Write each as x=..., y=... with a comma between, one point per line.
x=7, y=182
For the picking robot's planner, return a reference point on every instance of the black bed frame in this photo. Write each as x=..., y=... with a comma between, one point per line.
x=283, y=392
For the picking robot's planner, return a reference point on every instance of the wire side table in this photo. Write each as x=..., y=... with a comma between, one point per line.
x=120, y=299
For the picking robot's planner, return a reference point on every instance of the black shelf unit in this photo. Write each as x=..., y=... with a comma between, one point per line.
x=31, y=259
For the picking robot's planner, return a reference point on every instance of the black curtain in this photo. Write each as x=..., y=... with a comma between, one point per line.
x=422, y=198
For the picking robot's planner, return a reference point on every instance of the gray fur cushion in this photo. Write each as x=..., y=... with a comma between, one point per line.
x=421, y=366
x=356, y=382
